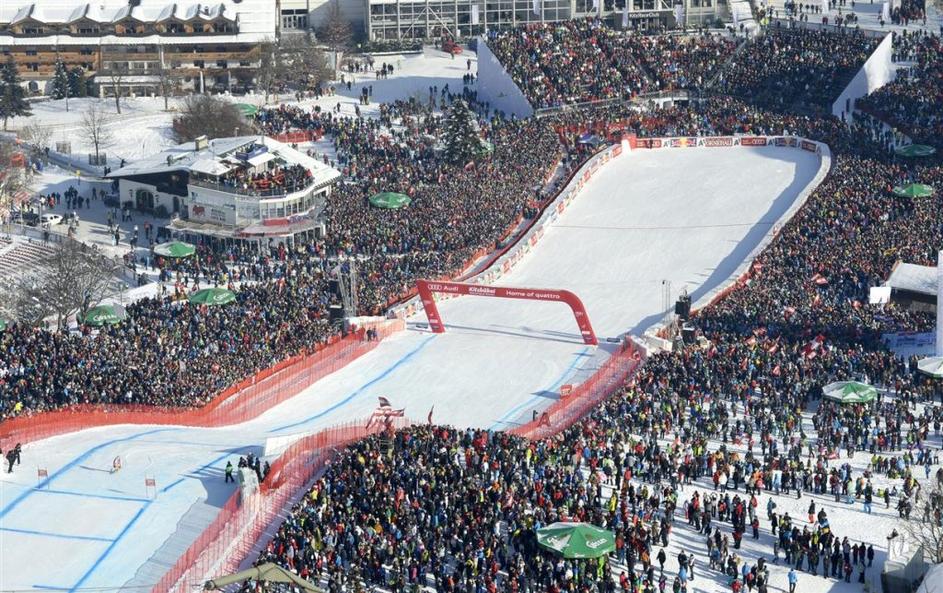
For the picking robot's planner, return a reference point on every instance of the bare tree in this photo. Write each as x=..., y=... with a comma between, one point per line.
x=69, y=280
x=336, y=32
x=14, y=178
x=116, y=71
x=95, y=128
x=926, y=526
x=271, y=68
x=305, y=65
x=38, y=136
x=205, y=115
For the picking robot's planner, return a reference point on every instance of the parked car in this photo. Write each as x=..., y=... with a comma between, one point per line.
x=51, y=219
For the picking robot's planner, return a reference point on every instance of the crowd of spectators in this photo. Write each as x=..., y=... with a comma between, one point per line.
x=796, y=68
x=583, y=61
x=671, y=450
x=911, y=102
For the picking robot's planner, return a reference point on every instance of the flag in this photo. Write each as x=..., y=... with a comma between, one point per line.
x=537, y=7
x=474, y=14
x=625, y=14
x=824, y=6
x=885, y=11
x=429, y=417
x=596, y=5
x=384, y=403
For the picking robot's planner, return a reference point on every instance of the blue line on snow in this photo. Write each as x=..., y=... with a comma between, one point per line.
x=110, y=547
x=197, y=470
x=50, y=588
x=92, y=495
x=56, y=535
x=513, y=412
x=16, y=501
x=361, y=389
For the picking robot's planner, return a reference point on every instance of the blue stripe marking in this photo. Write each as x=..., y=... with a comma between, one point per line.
x=70, y=465
x=171, y=485
x=513, y=412
x=361, y=389
x=56, y=535
x=197, y=470
x=50, y=588
x=91, y=495
x=110, y=547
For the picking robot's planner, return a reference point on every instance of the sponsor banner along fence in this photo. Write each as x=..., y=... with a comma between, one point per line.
x=238, y=403
x=748, y=269
x=502, y=262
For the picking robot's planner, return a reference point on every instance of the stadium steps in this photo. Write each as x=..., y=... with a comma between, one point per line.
x=22, y=255
x=726, y=65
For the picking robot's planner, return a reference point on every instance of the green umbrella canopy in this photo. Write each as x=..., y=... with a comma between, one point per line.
x=931, y=365
x=175, y=249
x=915, y=150
x=390, y=200
x=104, y=314
x=246, y=109
x=914, y=190
x=850, y=392
x=576, y=540
x=213, y=296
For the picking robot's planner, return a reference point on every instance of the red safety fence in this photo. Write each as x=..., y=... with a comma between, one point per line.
x=243, y=520
x=237, y=532
x=239, y=403
x=564, y=412
x=297, y=137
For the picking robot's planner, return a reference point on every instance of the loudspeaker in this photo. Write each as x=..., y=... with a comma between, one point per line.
x=687, y=333
x=335, y=313
x=683, y=307
x=334, y=287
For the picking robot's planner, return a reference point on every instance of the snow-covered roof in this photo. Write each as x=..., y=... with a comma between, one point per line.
x=256, y=18
x=914, y=278
x=218, y=157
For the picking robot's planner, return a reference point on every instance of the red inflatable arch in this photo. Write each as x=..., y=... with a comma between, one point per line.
x=427, y=288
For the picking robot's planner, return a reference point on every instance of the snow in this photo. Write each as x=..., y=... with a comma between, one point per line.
x=688, y=216
x=143, y=128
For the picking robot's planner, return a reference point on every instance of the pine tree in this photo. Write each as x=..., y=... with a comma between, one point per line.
x=462, y=142
x=78, y=86
x=60, y=81
x=12, y=94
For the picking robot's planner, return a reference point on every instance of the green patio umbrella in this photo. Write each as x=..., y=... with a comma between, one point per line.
x=931, y=365
x=246, y=109
x=213, y=296
x=849, y=392
x=915, y=150
x=104, y=314
x=913, y=190
x=175, y=249
x=576, y=540
x=390, y=200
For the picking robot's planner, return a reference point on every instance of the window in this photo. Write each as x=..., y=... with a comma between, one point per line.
x=296, y=18
x=86, y=51
x=31, y=52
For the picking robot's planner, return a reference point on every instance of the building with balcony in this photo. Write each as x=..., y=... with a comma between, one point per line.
x=248, y=188
x=432, y=19
x=131, y=44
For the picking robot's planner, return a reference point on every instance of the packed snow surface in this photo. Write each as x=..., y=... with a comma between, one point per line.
x=689, y=217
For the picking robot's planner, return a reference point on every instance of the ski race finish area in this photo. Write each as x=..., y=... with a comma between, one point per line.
x=626, y=223
x=427, y=290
